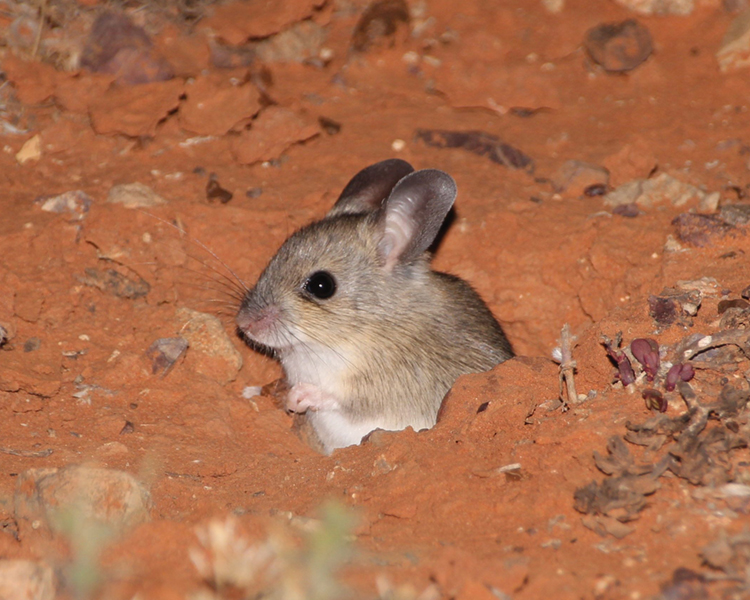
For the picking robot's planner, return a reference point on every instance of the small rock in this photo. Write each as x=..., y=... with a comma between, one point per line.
x=595, y=189
x=576, y=176
x=379, y=20
x=554, y=6
x=26, y=580
x=251, y=391
x=115, y=283
x=666, y=186
x=118, y=47
x=735, y=214
x=700, y=230
x=214, y=191
x=134, y=195
x=734, y=52
x=111, y=450
x=719, y=553
x=649, y=192
x=330, y=126
x=47, y=496
x=76, y=202
x=629, y=210
x=212, y=352
x=627, y=193
x=685, y=585
x=709, y=203
x=674, y=306
x=164, y=353
x=300, y=42
x=31, y=150
x=604, y=525
x=672, y=245
x=619, y=47
x=659, y=7
x=734, y=314
x=707, y=286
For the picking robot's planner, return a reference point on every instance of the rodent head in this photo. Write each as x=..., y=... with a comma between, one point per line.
x=333, y=277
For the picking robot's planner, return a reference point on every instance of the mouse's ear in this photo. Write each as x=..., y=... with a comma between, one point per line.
x=368, y=188
x=413, y=214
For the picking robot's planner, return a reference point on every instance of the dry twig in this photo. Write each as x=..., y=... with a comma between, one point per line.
x=567, y=366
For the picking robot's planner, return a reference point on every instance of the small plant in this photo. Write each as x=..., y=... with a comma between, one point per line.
x=624, y=369
x=646, y=351
x=684, y=372
x=274, y=569
x=87, y=538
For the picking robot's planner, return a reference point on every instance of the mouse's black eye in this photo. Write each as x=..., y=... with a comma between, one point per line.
x=321, y=284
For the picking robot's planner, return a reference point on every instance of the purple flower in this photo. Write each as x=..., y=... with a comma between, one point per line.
x=646, y=352
x=655, y=400
x=624, y=368
x=676, y=373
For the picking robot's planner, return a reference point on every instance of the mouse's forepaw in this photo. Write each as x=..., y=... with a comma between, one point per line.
x=306, y=396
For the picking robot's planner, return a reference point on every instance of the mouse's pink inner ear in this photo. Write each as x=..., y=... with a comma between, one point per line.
x=368, y=188
x=413, y=214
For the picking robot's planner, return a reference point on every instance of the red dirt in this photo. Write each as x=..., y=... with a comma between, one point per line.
x=432, y=506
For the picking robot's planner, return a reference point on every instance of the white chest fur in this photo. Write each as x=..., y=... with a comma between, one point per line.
x=335, y=430
x=318, y=365
x=327, y=370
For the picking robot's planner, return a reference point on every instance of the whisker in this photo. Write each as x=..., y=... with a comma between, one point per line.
x=225, y=279
x=206, y=286
x=207, y=294
x=205, y=248
x=220, y=301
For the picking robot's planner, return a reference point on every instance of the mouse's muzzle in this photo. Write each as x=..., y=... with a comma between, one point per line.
x=259, y=322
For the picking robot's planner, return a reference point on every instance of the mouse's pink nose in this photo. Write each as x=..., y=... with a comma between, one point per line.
x=257, y=322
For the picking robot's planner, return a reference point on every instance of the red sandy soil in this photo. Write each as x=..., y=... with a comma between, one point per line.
x=432, y=507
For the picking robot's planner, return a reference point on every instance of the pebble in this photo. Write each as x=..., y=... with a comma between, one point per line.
x=31, y=150
x=26, y=580
x=164, y=353
x=214, y=353
x=619, y=47
x=251, y=391
x=118, y=47
x=75, y=202
x=378, y=22
x=649, y=192
x=709, y=203
x=134, y=195
x=576, y=176
x=44, y=496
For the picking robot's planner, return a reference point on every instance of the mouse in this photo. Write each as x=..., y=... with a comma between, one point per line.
x=369, y=336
